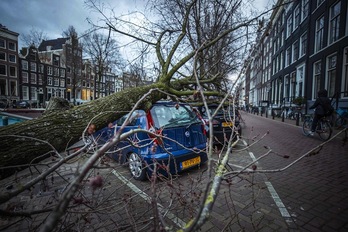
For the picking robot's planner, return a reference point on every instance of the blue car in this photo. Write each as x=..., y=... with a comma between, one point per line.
x=182, y=146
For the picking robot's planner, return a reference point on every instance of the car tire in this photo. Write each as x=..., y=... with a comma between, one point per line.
x=136, y=166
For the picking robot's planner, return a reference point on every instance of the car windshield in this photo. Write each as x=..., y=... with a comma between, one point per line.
x=170, y=115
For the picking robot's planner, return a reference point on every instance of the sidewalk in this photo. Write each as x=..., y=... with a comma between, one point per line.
x=297, y=123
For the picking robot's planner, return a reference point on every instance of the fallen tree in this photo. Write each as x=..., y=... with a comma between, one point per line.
x=24, y=142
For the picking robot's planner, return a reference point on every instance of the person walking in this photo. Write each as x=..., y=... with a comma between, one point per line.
x=321, y=106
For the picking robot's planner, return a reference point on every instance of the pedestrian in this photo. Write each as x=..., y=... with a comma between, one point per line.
x=320, y=106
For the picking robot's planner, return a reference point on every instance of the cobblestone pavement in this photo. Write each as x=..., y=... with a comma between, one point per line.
x=314, y=191
x=308, y=195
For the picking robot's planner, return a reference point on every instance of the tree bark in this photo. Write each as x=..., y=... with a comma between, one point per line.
x=22, y=143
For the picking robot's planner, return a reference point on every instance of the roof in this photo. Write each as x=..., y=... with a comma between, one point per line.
x=55, y=44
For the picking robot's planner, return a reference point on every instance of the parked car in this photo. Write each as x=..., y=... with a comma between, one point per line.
x=224, y=122
x=22, y=104
x=182, y=148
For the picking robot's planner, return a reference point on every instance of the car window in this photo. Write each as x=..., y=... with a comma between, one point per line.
x=172, y=115
x=227, y=111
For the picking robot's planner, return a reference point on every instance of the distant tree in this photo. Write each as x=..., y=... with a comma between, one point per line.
x=34, y=37
x=103, y=51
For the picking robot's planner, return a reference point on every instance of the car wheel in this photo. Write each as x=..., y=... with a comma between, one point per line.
x=136, y=166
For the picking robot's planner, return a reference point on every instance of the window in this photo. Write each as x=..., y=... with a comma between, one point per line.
x=295, y=51
x=297, y=17
x=289, y=26
x=62, y=72
x=300, y=79
x=49, y=70
x=12, y=58
x=25, y=77
x=33, y=93
x=33, y=56
x=25, y=92
x=3, y=70
x=334, y=25
x=274, y=46
x=33, y=78
x=293, y=84
x=319, y=34
x=331, y=75
x=345, y=73
x=24, y=65
x=41, y=68
x=2, y=56
x=2, y=43
x=316, y=79
x=62, y=83
x=3, y=87
x=32, y=67
x=305, y=9
x=56, y=60
x=12, y=46
x=56, y=72
x=286, y=88
x=56, y=81
x=288, y=57
x=13, y=71
x=49, y=81
x=40, y=79
x=13, y=86
x=303, y=44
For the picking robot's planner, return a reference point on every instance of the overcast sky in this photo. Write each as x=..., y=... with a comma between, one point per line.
x=52, y=17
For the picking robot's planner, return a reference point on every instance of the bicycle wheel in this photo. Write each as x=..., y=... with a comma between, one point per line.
x=306, y=127
x=325, y=130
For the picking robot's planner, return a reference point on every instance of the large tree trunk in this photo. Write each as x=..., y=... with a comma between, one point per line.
x=62, y=129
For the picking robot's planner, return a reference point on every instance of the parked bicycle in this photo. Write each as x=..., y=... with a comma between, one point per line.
x=323, y=129
x=342, y=117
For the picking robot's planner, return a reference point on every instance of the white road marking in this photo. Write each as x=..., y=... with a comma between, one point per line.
x=180, y=223
x=283, y=211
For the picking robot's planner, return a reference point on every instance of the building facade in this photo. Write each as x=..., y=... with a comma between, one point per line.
x=304, y=48
x=9, y=65
x=54, y=69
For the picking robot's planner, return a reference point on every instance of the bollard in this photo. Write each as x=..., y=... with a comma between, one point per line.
x=297, y=119
x=273, y=114
x=4, y=120
x=283, y=116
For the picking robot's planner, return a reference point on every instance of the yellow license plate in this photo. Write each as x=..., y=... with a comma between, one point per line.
x=227, y=124
x=191, y=162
